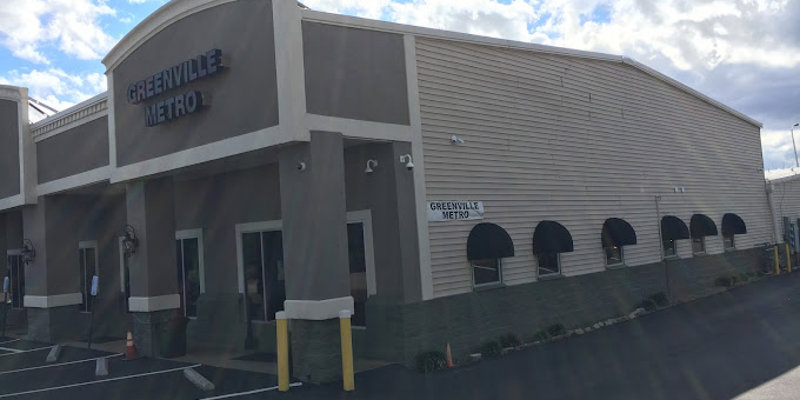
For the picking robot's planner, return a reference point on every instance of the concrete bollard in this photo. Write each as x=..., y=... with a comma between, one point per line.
x=198, y=380
x=54, y=353
x=101, y=367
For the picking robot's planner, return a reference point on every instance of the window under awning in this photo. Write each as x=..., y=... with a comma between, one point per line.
x=701, y=225
x=551, y=237
x=617, y=233
x=673, y=228
x=732, y=224
x=489, y=241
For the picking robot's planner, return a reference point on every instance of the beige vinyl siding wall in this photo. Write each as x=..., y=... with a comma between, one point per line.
x=575, y=140
x=786, y=197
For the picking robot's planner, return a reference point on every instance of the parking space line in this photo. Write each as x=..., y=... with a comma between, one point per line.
x=17, y=351
x=11, y=350
x=94, y=382
x=57, y=365
x=10, y=341
x=229, y=395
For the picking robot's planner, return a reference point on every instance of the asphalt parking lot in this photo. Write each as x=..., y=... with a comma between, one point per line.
x=25, y=374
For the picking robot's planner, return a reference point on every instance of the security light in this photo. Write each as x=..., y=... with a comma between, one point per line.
x=406, y=158
x=370, y=165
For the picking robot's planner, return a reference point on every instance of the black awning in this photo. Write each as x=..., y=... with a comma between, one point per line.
x=551, y=237
x=616, y=233
x=732, y=224
x=701, y=225
x=489, y=241
x=673, y=228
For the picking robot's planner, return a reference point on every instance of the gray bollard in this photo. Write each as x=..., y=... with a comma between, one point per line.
x=54, y=353
x=101, y=367
x=198, y=380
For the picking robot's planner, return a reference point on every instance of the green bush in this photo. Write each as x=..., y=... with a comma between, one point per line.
x=724, y=281
x=556, y=330
x=510, y=340
x=660, y=299
x=491, y=349
x=648, y=304
x=430, y=361
x=540, y=335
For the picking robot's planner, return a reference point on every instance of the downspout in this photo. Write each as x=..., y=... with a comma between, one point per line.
x=769, y=188
x=657, y=199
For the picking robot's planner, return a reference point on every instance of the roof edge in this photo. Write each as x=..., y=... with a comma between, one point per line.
x=323, y=17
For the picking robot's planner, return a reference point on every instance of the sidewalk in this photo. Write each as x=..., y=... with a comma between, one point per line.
x=718, y=347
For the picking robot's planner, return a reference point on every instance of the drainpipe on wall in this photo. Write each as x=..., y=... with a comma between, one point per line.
x=657, y=199
x=770, y=189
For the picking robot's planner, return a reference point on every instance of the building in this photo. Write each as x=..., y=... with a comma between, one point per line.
x=253, y=155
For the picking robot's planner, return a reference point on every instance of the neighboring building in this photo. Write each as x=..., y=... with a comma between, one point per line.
x=449, y=188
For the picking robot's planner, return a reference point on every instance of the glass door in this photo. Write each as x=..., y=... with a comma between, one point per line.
x=262, y=256
x=16, y=273
x=189, y=273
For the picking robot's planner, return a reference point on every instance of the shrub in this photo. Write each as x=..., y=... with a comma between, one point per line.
x=540, y=335
x=723, y=281
x=660, y=299
x=510, y=340
x=556, y=330
x=430, y=361
x=491, y=349
x=648, y=304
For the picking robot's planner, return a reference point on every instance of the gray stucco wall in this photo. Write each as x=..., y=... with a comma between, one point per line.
x=9, y=149
x=250, y=195
x=400, y=332
x=243, y=31
x=149, y=211
x=77, y=150
x=387, y=192
x=355, y=73
x=314, y=219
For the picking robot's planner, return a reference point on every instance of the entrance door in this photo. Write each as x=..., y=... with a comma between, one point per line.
x=124, y=276
x=87, y=258
x=264, y=281
x=16, y=273
x=189, y=248
x=362, y=267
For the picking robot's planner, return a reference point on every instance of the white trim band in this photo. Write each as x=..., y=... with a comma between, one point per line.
x=155, y=303
x=56, y=300
x=196, y=155
x=68, y=182
x=318, y=310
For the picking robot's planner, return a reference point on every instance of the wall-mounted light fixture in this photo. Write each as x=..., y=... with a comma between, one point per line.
x=129, y=241
x=28, y=251
x=406, y=158
x=370, y=165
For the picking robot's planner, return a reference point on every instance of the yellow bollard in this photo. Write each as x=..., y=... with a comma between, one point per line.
x=283, y=351
x=348, y=380
x=777, y=261
x=788, y=259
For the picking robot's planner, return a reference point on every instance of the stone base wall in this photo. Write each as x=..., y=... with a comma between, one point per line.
x=400, y=332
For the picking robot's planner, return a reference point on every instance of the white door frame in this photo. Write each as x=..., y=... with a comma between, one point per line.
x=362, y=216
x=196, y=234
x=89, y=244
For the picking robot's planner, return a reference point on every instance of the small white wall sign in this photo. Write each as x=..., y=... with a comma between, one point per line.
x=455, y=210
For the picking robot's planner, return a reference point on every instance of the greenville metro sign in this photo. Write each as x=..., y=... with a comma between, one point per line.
x=173, y=78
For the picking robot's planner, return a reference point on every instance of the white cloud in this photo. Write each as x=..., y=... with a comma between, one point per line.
x=57, y=88
x=26, y=26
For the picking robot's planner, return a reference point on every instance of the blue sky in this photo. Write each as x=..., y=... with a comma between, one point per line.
x=744, y=53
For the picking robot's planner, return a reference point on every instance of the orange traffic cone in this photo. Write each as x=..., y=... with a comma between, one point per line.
x=449, y=356
x=130, y=349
